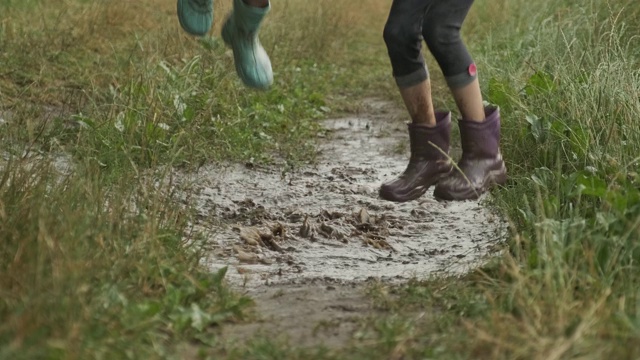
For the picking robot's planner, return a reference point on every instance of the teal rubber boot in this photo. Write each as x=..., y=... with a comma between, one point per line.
x=196, y=16
x=240, y=32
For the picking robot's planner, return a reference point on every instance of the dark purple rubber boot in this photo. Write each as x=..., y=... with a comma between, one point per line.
x=481, y=163
x=429, y=161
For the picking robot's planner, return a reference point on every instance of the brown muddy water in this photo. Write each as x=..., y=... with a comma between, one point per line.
x=326, y=223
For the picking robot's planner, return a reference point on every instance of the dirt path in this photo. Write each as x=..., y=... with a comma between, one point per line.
x=287, y=236
x=304, y=315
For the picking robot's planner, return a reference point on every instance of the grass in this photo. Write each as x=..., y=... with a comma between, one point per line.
x=566, y=77
x=94, y=261
x=99, y=101
x=87, y=271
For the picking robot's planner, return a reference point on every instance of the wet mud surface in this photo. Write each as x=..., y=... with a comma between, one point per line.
x=305, y=244
x=326, y=223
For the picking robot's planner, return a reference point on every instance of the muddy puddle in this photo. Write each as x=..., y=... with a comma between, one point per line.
x=325, y=223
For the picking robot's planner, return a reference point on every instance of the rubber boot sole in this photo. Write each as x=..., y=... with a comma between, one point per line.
x=495, y=177
x=413, y=194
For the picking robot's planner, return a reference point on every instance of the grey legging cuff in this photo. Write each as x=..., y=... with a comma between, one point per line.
x=438, y=22
x=412, y=79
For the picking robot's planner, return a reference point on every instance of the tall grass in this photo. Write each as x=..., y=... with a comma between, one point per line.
x=567, y=77
x=97, y=260
x=89, y=271
x=571, y=86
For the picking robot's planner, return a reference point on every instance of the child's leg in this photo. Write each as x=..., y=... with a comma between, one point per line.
x=481, y=165
x=429, y=132
x=441, y=31
x=404, y=44
x=417, y=99
x=469, y=101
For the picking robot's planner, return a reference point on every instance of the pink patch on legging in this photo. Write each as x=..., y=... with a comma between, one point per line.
x=473, y=70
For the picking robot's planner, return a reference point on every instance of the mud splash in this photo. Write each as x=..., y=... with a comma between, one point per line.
x=326, y=223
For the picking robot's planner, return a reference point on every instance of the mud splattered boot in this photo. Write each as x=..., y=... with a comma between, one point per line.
x=428, y=162
x=196, y=16
x=481, y=163
x=240, y=32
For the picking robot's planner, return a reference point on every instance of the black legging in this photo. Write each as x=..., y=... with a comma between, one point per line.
x=438, y=22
